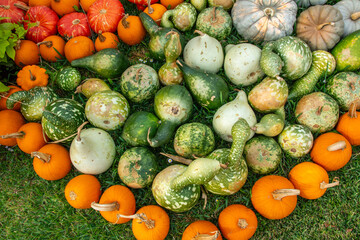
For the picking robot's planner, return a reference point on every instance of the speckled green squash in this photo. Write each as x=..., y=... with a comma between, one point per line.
x=194, y=140
x=345, y=88
x=34, y=101
x=347, y=53
x=68, y=78
x=288, y=57
x=62, y=118
x=263, y=154
x=271, y=124
x=139, y=82
x=137, y=167
x=296, y=140
x=318, y=111
x=91, y=86
x=136, y=128
x=183, y=17
x=107, y=110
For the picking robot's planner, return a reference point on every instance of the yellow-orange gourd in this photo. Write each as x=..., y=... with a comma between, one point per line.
x=349, y=124
x=62, y=7
x=52, y=48
x=155, y=11
x=79, y=47
x=31, y=76
x=106, y=40
x=10, y=122
x=201, y=229
x=27, y=53
x=131, y=30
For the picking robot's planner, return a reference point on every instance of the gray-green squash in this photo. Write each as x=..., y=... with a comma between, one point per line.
x=182, y=17
x=271, y=124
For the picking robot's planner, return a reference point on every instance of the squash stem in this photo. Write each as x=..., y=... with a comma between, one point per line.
x=149, y=223
x=340, y=145
x=352, y=110
x=22, y=7
x=355, y=16
x=324, y=185
x=13, y=135
x=32, y=77
x=242, y=223
x=7, y=7
x=281, y=193
x=199, y=32
x=185, y=160
x=105, y=207
x=42, y=156
x=124, y=22
x=269, y=12
x=213, y=18
x=48, y=44
x=150, y=9
x=102, y=38
x=206, y=236
x=320, y=26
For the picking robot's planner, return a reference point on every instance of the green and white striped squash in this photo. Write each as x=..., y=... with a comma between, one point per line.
x=68, y=78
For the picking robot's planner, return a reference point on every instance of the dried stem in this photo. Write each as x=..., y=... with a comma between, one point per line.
x=7, y=7
x=32, y=77
x=105, y=207
x=22, y=7
x=185, y=160
x=42, y=156
x=340, y=145
x=13, y=135
x=355, y=16
x=78, y=138
x=242, y=223
x=281, y=193
x=207, y=236
x=150, y=9
x=320, y=26
x=149, y=223
x=269, y=12
x=48, y=44
x=352, y=110
x=324, y=185
x=124, y=22
x=199, y=32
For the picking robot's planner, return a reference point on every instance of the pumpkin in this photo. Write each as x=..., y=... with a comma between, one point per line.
x=85, y=4
x=62, y=7
x=10, y=12
x=79, y=47
x=331, y=150
x=350, y=10
x=52, y=48
x=74, y=24
x=311, y=179
x=237, y=222
x=31, y=76
x=26, y=53
x=274, y=197
x=10, y=122
x=320, y=27
x=33, y=3
x=4, y=96
x=115, y=202
x=106, y=40
x=155, y=11
x=131, y=30
x=104, y=15
x=51, y=162
x=151, y=222
x=170, y=4
x=82, y=190
x=258, y=20
x=307, y=3
x=201, y=229
x=348, y=124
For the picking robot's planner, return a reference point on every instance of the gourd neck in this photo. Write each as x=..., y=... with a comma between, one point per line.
x=241, y=97
x=320, y=26
x=281, y=193
x=355, y=16
x=44, y=157
x=206, y=236
x=240, y=132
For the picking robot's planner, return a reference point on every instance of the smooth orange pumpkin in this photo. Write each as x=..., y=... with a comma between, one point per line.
x=106, y=40
x=155, y=11
x=170, y=4
x=331, y=150
x=237, y=222
x=62, y=7
x=5, y=95
x=85, y=4
x=311, y=179
x=32, y=76
x=82, y=190
x=349, y=124
x=10, y=122
x=33, y=3
x=79, y=47
x=131, y=30
x=27, y=53
x=274, y=197
x=52, y=162
x=115, y=202
x=52, y=48
x=201, y=229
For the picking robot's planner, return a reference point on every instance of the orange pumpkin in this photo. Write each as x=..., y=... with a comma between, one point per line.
x=10, y=122
x=331, y=150
x=201, y=229
x=32, y=76
x=150, y=222
x=311, y=179
x=274, y=197
x=170, y=4
x=5, y=95
x=33, y=3
x=155, y=11
x=51, y=162
x=62, y=7
x=79, y=47
x=349, y=124
x=116, y=201
x=52, y=48
x=26, y=53
x=82, y=190
x=131, y=30
x=106, y=40
x=85, y=4
x=237, y=222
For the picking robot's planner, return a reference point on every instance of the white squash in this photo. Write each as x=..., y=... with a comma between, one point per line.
x=92, y=151
x=242, y=64
x=204, y=52
x=226, y=116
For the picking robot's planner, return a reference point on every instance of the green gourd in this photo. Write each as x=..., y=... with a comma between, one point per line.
x=68, y=78
x=271, y=124
x=183, y=17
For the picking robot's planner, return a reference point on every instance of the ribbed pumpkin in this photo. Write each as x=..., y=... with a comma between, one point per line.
x=82, y=190
x=350, y=10
x=26, y=53
x=130, y=30
x=5, y=95
x=311, y=179
x=106, y=40
x=274, y=197
x=10, y=122
x=74, y=24
x=331, y=150
x=32, y=76
x=79, y=47
x=201, y=229
x=348, y=124
x=237, y=222
x=13, y=13
x=52, y=48
x=62, y=7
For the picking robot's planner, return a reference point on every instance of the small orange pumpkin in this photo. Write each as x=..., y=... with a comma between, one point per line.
x=170, y=4
x=26, y=53
x=106, y=40
x=349, y=124
x=311, y=179
x=331, y=150
x=33, y=3
x=201, y=229
x=237, y=222
x=85, y=4
x=10, y=122
x=62, y=7
x=51, y=162
x=155, y=11
x=32, y=76
x=52, y=48
x=274, y=197
x=79, y=47
x=131, y=30
x=5, y=95
x=116, y=201
x=82, y=190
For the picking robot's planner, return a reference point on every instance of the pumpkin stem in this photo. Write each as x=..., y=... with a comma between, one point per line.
x=340, y=145
x=199, y=32
x=13, y=135
x=18, y=43
x=242, y=223
x=281, y=193
x=204, y=236
x=48, y=44
x=78, y=138
x=178, y=62
x=72, y=195
x=102, y=38
x=269, y=12
x=105, y=207
x=355, y=16
x=64, y=139
x=124, y=22
x=7, y=7
x=32, y=77
x=204, y=196
x=150, y=9
x=352, y=110
x=324, y=185
x=320, y=26
x=149, y=223
x=22, y=7
x=42, y=156
x=185, y=160
x=76, y=21
x=319, y=110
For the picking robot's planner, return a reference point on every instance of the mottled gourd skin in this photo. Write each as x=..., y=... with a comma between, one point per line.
x=318, y=111
x=183, y=17
x=271, y=124
x=68, y=78
x=344, y=87
x=350, y=11
x=296, y=140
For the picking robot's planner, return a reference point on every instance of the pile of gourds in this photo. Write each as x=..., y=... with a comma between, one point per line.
x=61, y=133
